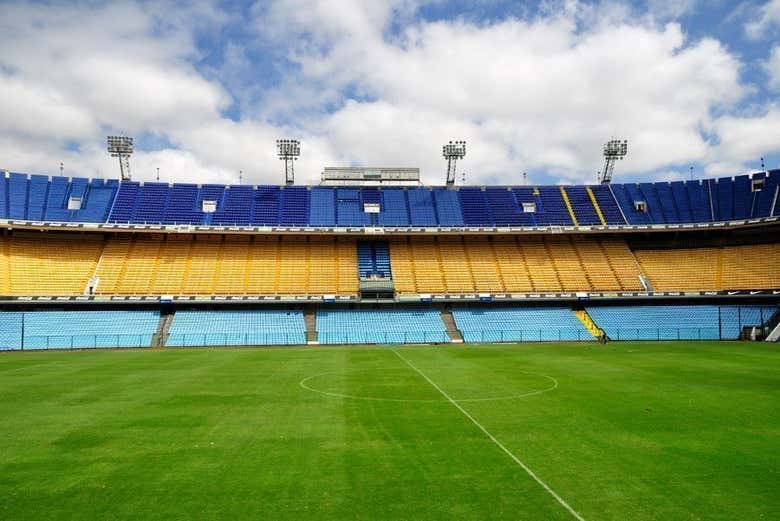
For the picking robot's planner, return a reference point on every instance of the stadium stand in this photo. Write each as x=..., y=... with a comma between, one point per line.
x=10, y=330
x=236, y=328
x=235, y=265
x=519, y=324
x=54, y=265
x=77, y=329
x=678, y=322
x=380, y=326
x=40, y=198
x=514, y=264
x=181, y=264
x=95, y=241
x=731, y=267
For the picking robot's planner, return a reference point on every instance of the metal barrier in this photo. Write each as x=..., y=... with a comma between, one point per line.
x=526, y=335
x=382, y=337
x=235, y=339
x=32, y=342
x=666, y=333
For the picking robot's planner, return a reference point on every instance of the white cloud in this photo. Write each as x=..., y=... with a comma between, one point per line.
x=538, y=95
x=772, y=68
x=372, y=86
x=768, y=18
x=744, y=139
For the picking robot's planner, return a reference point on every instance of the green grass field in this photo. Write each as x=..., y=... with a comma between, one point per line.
x=627, y=431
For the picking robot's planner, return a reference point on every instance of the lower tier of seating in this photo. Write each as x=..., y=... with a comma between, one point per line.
x=380, y=326
x=519, y=324
x=678, y=322
x=401, y=325
x=236, y=328
x=182, y=264
x=77, y=329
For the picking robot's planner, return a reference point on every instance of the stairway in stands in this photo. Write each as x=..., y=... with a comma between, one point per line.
x=310, y=319
x=588, y=322
x=452, y=329
x=163, y=326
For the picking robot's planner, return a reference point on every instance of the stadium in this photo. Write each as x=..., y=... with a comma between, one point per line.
x=101, y=263
x=214, y=265
x=319, y=338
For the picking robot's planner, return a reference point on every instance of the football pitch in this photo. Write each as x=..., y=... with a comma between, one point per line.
x=533, y=431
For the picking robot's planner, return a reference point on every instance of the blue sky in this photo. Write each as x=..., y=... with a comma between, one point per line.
x=533, y=87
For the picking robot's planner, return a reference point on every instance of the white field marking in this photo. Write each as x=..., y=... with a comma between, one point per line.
x=305, y=384
x=500, y=445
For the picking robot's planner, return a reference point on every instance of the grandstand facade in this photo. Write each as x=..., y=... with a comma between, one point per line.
x=342, y=264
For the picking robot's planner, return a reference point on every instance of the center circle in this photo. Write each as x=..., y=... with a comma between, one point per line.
x=403, y=385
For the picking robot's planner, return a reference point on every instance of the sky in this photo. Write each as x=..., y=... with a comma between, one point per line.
x=206, y=88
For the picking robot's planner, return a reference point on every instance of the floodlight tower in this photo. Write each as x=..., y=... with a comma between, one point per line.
x=614, y=150
x=289, y=150
x=121, y=147
x=453, y=151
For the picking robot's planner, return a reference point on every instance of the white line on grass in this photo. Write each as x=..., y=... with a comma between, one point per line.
x=500, y=445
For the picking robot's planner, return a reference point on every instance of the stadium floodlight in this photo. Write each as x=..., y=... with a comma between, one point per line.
x=614, y=150
x=121, y=147
x=289, y=150
x=453, y=151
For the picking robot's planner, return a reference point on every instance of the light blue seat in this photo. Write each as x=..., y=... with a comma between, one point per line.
x=519, y=324
x=10, y=330
x=679, y=322
x=88, y=329
x=380, y=326
x=734, y=318
x=236, y=328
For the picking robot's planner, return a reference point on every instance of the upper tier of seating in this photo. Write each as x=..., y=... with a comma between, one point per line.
x=61, y=199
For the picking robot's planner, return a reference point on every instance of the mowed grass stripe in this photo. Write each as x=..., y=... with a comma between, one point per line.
x=492, y=438
x=640, y=430
x=634, y=431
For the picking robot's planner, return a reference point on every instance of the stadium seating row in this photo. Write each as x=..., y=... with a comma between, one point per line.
x=512, y=264
x=174, y=264
x=236, y=328
x=477, y=324
x=61, y=199
x=733, y=267
x=77, y=329
x=678, y=322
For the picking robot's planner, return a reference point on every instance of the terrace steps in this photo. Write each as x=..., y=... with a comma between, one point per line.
x=588, y=322
x=452, y=329
x=568, y=205
x=596, y=205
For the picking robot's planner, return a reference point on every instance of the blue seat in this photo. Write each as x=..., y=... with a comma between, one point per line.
x=582, y=205
x=422, y=211
x=266, y=206
x=394, y=210
x=671, y=322
x=608, y=204
x=448, y=210
x=236, y=208
x=322, y=207
x=89, y=329
x=474, y=206
x=294, y=206
x=518, y=324
x=236, y=328
x=380, y=326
